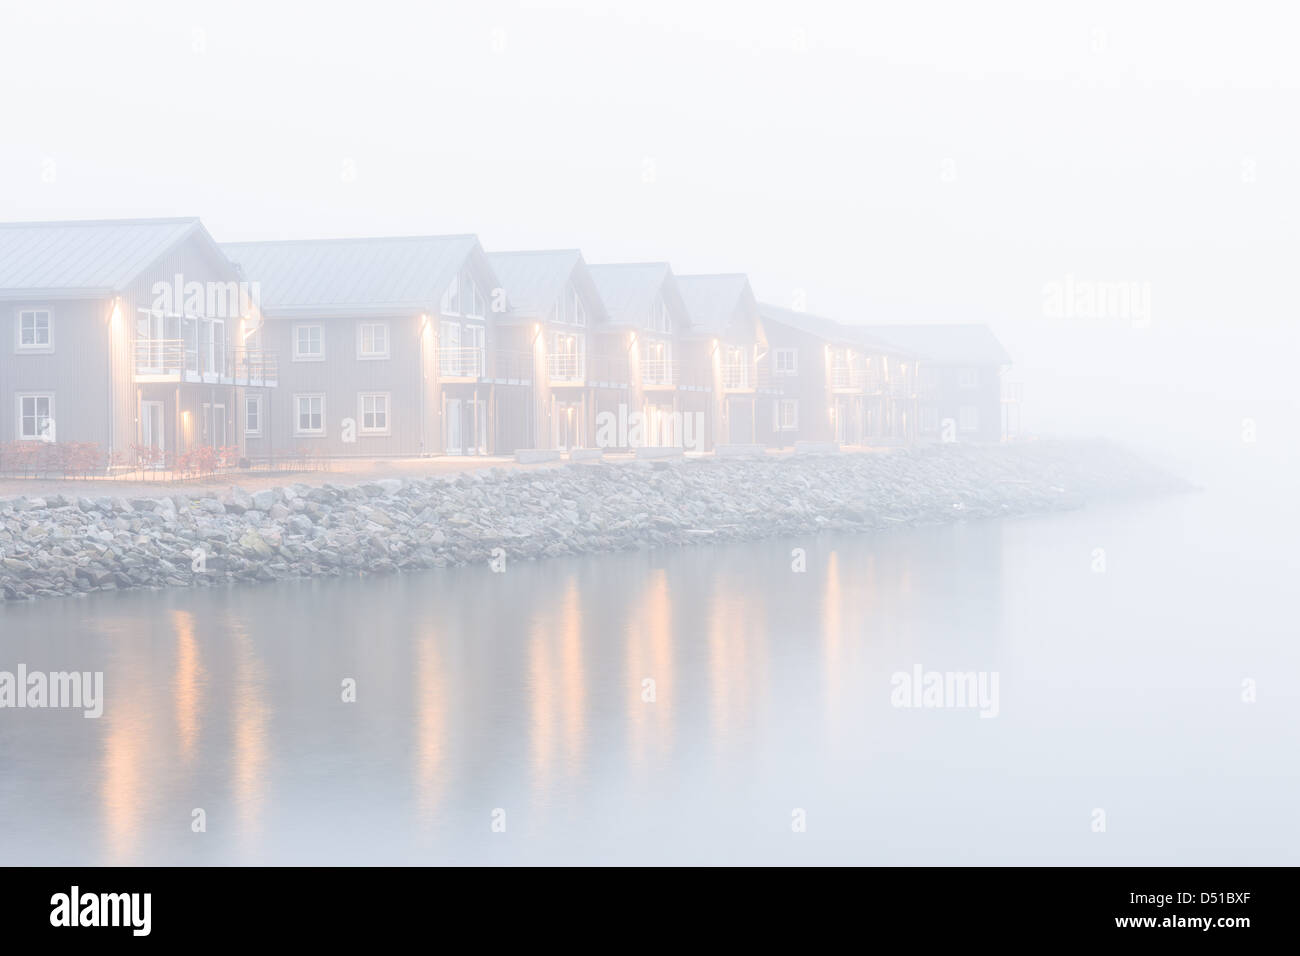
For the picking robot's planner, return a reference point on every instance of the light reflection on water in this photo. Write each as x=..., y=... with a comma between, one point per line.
x=526, y=691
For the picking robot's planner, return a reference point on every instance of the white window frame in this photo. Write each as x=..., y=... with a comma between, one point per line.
x=388, y=413
x=18, y=409
x=974, y=426
x=779, y=407
x=253, y=400
x=794, y=362
x=42, y=348
x=298, y=354
x=968, y=377
x=365, y=356
x=298, y=430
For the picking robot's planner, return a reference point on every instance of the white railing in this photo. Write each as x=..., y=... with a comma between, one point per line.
x=464, y=362
x=658, y=372
x=567, y=367
x=738, y=375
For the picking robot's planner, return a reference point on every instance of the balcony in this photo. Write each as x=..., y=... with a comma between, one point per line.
x=846, y=379
x=172, y=360
x=567, y=368
x=739, y=377
x=658, y=373
x=461, y=364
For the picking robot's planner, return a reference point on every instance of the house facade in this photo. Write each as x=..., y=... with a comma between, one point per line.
x=390, y=347
x=668, y=396
x=959, y=386
x=838, y=383
x=579, y=363
x=728, y=336
x=137, y=337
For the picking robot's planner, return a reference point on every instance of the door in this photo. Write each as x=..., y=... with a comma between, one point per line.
x=152, y=433
x=219, y=426
x=453, y=427
x=481, y=421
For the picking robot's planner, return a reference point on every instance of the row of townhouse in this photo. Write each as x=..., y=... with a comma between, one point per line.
x=146, y=337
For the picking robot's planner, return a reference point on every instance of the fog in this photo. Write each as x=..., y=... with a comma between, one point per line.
x=933, y=163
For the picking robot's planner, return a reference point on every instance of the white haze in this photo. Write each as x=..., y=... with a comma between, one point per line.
x=919, y=162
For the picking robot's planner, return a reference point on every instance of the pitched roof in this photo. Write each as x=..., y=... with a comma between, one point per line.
x=629, y=289
x=84, y=259
x=829, y=329
x=352, y=275
x=946, y=344
x=534, y=280
x=712, y=300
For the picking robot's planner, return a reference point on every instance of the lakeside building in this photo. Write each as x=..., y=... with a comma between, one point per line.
x=580, y=363
x=667, y=383
x=391, y=346
x=728, y=329
x=148, y=340
x=961, y=383
x=137, y=336
x=838, y=383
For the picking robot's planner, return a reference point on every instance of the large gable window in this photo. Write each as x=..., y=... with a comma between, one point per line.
x=660, y=319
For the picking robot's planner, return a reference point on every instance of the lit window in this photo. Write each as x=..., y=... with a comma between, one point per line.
x=373, y=340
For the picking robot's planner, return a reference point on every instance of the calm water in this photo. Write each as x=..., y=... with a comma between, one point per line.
x=523, y=691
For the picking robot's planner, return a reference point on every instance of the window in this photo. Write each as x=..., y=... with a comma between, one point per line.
x=217, y=347
x=372, y=340
x=34, y=331
x=929, y=419
x=253, y=417
x=968, y=418
x=310, y=415
x=471, y=299
x=374, y=413
x=568, y=308
x=660, y=319
x=785, y=361
x=308, y=343
x=968, y=377
x=36, y=417
x=787, y=414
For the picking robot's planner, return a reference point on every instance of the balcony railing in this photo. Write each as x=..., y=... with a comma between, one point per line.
x=657, y=373
x=171, y=360
x=845, y=377
x=739, y=376
x=567, y=367
x=510, y=366
x=467, y=362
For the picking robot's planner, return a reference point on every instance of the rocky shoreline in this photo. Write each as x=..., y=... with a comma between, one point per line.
x=69, y=544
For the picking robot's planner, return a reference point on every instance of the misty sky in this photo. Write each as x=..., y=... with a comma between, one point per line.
x=932, y=163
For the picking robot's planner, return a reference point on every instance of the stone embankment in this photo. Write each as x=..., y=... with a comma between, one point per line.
x=69, y=543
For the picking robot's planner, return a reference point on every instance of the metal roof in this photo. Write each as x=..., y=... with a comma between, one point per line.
x=630, y=289
x=84, y=259
x=830, y=330
x=712, y=300
x=946, y=344
x=352, y=275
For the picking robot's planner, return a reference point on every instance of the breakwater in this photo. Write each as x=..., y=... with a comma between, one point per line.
x=69, y=543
